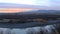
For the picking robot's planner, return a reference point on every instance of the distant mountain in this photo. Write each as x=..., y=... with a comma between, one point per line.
x=13, y=5
x=57, y=12
x=35, y=12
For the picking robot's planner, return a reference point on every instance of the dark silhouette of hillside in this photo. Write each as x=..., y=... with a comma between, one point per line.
x=32, y=14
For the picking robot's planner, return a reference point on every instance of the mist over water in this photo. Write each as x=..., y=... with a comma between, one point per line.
x=49, y=29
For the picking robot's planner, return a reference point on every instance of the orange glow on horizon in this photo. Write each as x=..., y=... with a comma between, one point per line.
x=13, y=10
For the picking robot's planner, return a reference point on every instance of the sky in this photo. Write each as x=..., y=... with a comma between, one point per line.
x=34, y=2
x=51, y=4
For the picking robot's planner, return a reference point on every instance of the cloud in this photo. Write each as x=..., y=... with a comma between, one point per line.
x=43, y=2
x=34, y=2
x=31, y=2
x=18, y=1
x=55, y=3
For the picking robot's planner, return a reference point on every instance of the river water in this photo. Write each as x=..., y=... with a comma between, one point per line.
x=48, y=29
x=27, y=28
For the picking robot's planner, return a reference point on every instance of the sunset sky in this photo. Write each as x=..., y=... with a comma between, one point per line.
x=34, y=2
x=13, y=10
x=55, y=4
